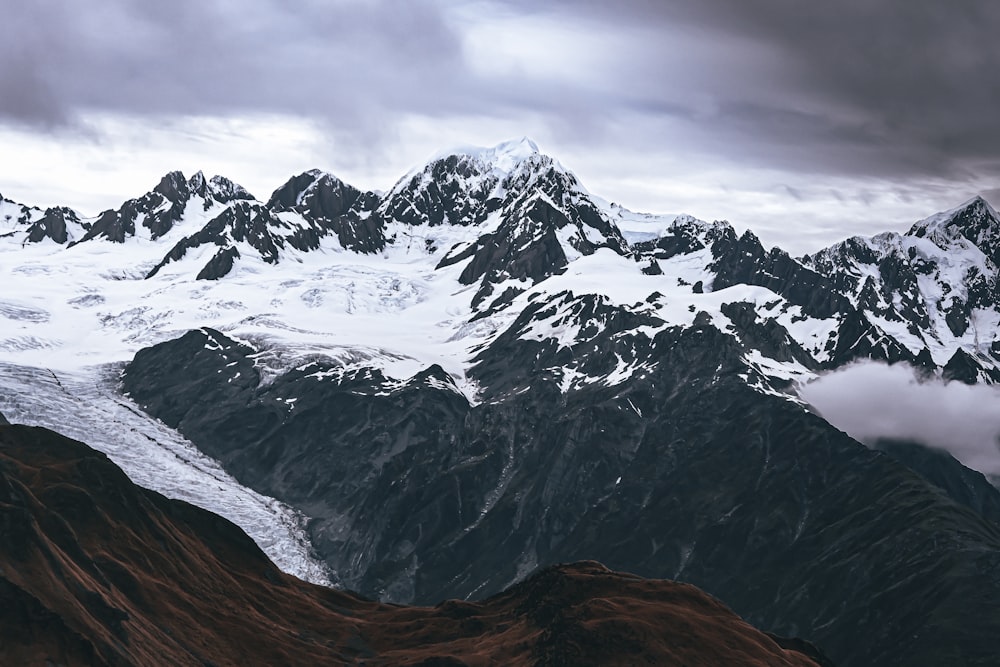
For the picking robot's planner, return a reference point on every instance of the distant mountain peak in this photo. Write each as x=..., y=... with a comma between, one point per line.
x=197, y=182
x=971, y=211
x=463, y=185
x=975, y=220
x=224, y=190
x=319, y=196
x=522, y=144
x=507, y=152
x=174, y=186
x=292, y=193
x=483, y=162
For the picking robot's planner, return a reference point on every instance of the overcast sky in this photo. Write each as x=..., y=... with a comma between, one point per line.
x=806, y=122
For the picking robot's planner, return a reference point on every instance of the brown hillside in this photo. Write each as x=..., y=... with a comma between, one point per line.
x=97, y=571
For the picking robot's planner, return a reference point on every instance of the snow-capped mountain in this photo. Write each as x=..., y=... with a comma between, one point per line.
x=487, y=369
x=154, y=214
x=508, y=219
x=33, y=225
x=932, y=292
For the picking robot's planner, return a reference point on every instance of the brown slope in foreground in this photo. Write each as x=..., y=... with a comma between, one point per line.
x=97, y=571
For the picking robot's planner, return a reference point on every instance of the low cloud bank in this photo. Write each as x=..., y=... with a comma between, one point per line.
x=870, y=400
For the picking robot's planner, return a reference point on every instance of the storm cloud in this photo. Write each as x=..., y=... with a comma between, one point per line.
x=886, y=104
x=340, y=59
x=887, y=86
x=871, y=400
x=892, y=84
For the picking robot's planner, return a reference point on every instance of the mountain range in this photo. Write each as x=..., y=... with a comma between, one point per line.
x=488, y=370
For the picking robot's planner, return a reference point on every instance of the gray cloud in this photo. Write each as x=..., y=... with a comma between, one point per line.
x=891, y=86
x=342, y=60
x=885, y=87
x=898, y=95
x=871, y=400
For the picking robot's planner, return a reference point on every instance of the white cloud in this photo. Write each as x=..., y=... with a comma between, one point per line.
x=869, y=400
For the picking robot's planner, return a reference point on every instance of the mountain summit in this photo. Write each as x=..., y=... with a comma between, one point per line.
x=975, y=221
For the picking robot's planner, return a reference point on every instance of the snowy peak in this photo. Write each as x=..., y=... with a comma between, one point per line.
x=176, y=188
x=15, y=217
x=290, y=194
x=975, y=220
x=154, y=214
x=527, y=216
x=514, y=148
x=464, y=185
x=453, y=190
x=331, y=206
x=59, y=224
x=929, y=294
x=218, y=189
x=30, y=224
x=316, y=194
x=539, y=219
x=684, y=235
x=223, y=190
x=504, y=157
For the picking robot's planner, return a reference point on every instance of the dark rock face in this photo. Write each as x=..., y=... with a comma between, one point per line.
x=765, y=335
x=113, y=225
x=212, y=351
x=441, y=194
x=161, y=208
x=52, y=225
x=326, y=205
x=539, y=208
x=683, y=471
x=966, y=487
x=97, y=571
x=525, y=249
x=220, y=265
x=963, y=367
x=335, y=207
x=744, y=261
x=244, y=222
x=857, y=338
